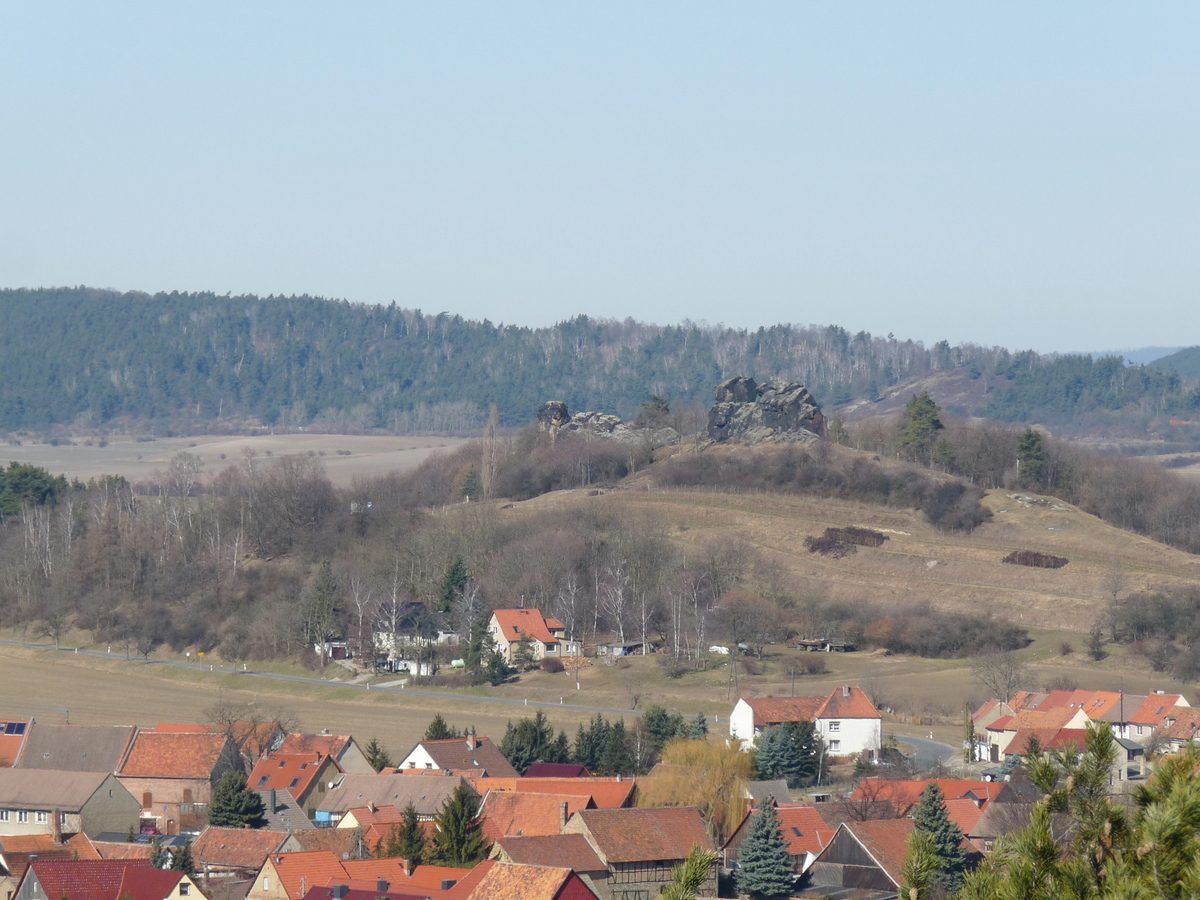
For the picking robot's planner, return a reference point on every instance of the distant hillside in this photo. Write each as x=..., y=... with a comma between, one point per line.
x=199, y=362
x=1186, y=362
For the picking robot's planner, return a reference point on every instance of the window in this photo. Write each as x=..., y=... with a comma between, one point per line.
x=184, y=889
x=41, y=818
x=295, y=783
x=263, y=780
x=22, y=815
x=1139, y=729
x=835, y=726
x=835, y=746
x=3, y=815
x=147, y=799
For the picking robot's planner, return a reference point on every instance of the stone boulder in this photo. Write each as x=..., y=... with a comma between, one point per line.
x=554, y=417
x=776, y=411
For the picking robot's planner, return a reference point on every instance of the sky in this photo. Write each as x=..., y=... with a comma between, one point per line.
x=1022, y=174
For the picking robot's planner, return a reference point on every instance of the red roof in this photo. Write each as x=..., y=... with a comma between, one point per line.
x=1066, y=739
x=328, y=744
x=556, y=770
x=1187, y=722
x=512, y=881
x=169, y=755
x=848, y=703
x=462, y=755
x=527, y=815
x=293, y=772
x=776, y=710
x=570, y=851
x=353, y=893
x=313, y=867
x=518, y=624
x=645, y=833
x=85, y=879
x=965, y=813
x=242, y=848
x=1001, y=724
x=425, y=880
x=605, y=793
x=140, y=883
x=886, y=840
x=12, y=736
x=16, y=850
x=903, y=795
x=1156, y=708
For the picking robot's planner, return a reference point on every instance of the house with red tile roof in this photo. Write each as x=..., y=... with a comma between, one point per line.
x=343, y=748
x=541, y=636
x=556, y=770
x=173, y=774
x=566, y=851
x=904, y=795
x=289, y=876
x=513, y=881
x=427, y=795
x=520, y=814
x=641, y=846
x=81, y=879
x=804, y=831
x=868, y=856
x=459, y=756
x=17, y=851
x=349, y=892
x=604, y=793
x=305, y=775
x=1131, y=716
x=239, y=851
x=1181, y=728
x=846, y=720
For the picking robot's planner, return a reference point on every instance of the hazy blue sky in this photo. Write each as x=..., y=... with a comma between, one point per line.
x=1021, y=174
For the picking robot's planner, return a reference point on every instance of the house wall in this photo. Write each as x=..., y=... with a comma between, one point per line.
x=170, y=807
x=319, y=788
x=852, y=735
x=354, y=762
x=741, y=725
x=14, y=826
x=31, y=888
x=111, y=808
x=267, y=885
x=844, y=863
x=645, y=880
x=575, y=889
x=418, y=759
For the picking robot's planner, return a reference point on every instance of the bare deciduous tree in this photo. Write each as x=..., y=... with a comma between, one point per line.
x=1003, y=673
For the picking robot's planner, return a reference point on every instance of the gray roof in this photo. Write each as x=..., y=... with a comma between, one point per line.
x=286, y=816
x=428, y=793
x=76, y=748
x=48, y=789
x=777, y=789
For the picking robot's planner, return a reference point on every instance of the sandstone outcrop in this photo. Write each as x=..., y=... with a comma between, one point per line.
x=774, y=411
x=555, y=418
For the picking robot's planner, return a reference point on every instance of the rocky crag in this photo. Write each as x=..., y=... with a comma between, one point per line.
x=774, y=411
x=554, y=418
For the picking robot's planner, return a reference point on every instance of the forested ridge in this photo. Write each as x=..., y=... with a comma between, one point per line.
x=95, y=358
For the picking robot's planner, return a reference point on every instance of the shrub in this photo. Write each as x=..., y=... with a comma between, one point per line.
x=829, y=546
x=1065, y=649
x=553, y=665
x=813, y=663
x=1035, y=559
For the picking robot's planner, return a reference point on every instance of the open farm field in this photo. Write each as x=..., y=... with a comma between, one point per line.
x=344, y=456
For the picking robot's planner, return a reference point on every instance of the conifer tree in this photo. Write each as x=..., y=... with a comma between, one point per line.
x=232, y=806
x=932, y=818
x=157, y=855
x=459, y=839
x=453, y=582
x=530, y=741
x=438, y=730
x=377, y=755
x=699, y=729
x=618, y=758
x=406, y=839
x=182, y=860
x=788, y=751
x=764, y=864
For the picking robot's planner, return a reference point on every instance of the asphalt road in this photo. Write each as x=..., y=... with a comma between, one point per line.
x=929, y=753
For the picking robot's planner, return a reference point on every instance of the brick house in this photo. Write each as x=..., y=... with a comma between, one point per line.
x=173, y=775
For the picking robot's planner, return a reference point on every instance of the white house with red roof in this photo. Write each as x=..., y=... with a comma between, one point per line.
x=543, y=636
x=847, y=721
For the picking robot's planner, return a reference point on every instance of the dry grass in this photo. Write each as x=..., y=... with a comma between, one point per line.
x=137, y=460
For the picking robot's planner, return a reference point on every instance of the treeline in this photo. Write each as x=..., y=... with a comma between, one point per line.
x=94, y=359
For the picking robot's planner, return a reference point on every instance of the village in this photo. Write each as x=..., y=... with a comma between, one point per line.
x=814, y=797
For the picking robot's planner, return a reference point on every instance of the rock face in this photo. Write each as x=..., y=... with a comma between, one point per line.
x=775, y=410
x=554, y=417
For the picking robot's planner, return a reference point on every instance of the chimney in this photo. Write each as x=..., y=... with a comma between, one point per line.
x=340, y=891
x=56, y=826
x=618, y=776
x=372, y=807
x=472, y=742
x=408, y=867
x=845, y=690
x=274, y=805
x=448, y=883
x=381, y=885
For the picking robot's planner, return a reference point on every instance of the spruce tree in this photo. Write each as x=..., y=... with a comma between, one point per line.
x=617, y=759
x=932, y=818
x=764, y=864
x=438, y=730
x=232, y=806
x=157, y=855
x=453, y=582
x=182, y=860
x=377, y=755
x=699, y=729
x=530, y=741
x=406, y=839
x=788, y=751
x=459, y=839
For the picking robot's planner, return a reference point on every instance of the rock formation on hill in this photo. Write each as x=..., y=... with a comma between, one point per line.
x=554, y=418
x=775, y=410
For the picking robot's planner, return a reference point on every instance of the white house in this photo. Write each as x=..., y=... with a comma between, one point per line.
x=543, y=637
x=847, y=721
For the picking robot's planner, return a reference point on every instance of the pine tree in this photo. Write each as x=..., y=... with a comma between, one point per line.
x=764, y=864
x=459, y=839
x=590, y=743
x=320, y=607
x=232, y=806
x=788, y=751
x=919, y=424
x=1031, y=451
x=453, y=582
x=406, y=839
x=530, y=741
x=699, y=729
x=182, y=860
x=932, y=818
x=438, y=730
x=618, y=758
x=377, y=755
